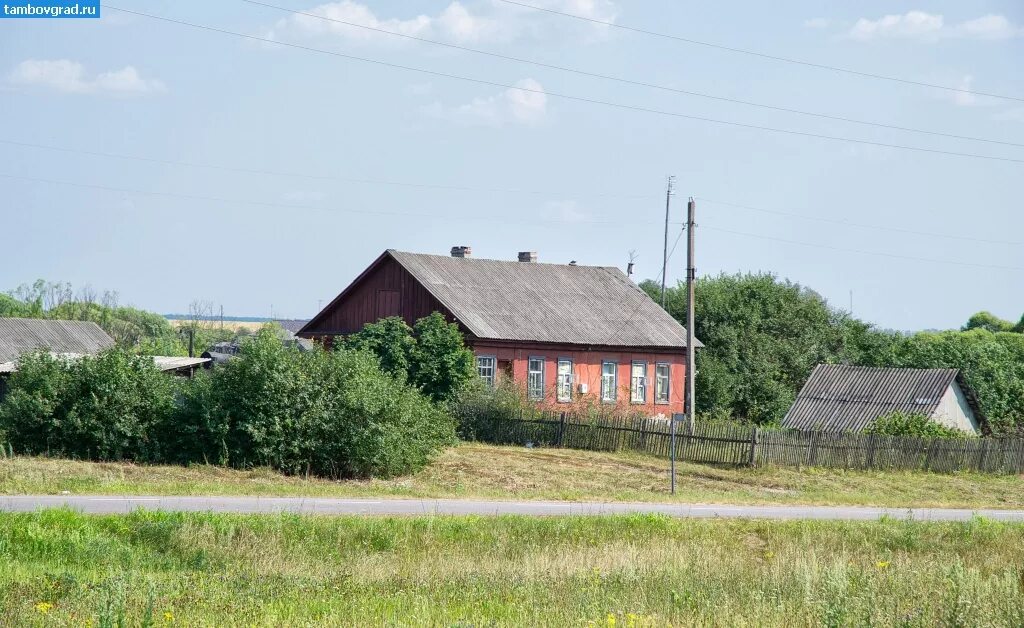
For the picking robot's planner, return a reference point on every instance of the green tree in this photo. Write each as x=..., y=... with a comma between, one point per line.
x=762, y=337
x=440, y=363
x=987, y=320
x=390, y=339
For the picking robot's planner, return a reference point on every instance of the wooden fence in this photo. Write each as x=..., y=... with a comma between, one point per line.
x=722, y=443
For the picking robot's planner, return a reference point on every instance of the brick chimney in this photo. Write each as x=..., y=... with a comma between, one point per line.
x=529, y=257
x=462, y=251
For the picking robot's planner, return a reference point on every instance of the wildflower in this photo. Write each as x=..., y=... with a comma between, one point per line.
x=168, y=616
x=769, y=555
x=882, y=564
x=44, y=607
x=631, y=620
x=611, y=620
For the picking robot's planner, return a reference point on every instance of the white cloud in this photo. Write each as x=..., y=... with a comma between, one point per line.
x=457, y=23
x=817, y=22
x=513, y=106
x=69, y=76
x=566, y=211
x=989, y=27
x=911, y=25
x=922, y=26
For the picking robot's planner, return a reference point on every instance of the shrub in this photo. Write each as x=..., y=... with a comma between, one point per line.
x=102, y=407
x=899, y=423
x=390, y=339
x=327, y=413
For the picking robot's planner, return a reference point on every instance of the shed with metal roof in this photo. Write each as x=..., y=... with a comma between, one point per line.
x=842, y=398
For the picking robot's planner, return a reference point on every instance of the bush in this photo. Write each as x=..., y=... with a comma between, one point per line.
x=432, y=354
x=899, y=423
x=103, y=407
x=327, y=413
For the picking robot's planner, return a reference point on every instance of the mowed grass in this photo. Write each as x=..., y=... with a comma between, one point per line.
x=490, y=472
x=63, y=568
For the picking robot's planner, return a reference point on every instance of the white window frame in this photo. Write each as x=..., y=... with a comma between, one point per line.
x=492, y=379
x=667, y=388
x=530, y=393
x=609, y=391
x=563, y=385
x=637, y=385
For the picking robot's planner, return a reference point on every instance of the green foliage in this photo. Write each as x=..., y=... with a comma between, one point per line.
x=390, y=339
x=105, y=407
x=992, y=365
x=441, y=365
x=899, y=423
x=989, y=321
x=328, y=413
x=432, y=355
x=762, y=337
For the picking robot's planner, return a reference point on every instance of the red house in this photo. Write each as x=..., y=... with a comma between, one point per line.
x=566, y=333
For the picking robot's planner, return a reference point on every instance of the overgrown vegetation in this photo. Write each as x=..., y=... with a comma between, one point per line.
x=143, y=332
x=898, y=423
x=762, y=337
x=431, y=355
x=60, y=567
x=329, y=413
x=477, y=471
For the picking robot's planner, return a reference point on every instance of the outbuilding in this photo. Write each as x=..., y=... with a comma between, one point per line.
x=841, y=398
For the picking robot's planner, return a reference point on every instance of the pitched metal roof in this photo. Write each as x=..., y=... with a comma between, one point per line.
x=558, y=303
x=21, y=335
x=291, y=325
x=840, y=398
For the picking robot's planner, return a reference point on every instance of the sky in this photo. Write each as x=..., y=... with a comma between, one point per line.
x=172, y=163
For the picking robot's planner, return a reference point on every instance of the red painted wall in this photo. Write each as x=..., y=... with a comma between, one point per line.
x=587, y=369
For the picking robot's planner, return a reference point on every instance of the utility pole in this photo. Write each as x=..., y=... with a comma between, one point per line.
x=691, y=278
x=664, y=259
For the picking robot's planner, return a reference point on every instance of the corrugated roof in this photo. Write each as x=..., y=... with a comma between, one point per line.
x=560, y=303
x=21, y=335
x=839, y=398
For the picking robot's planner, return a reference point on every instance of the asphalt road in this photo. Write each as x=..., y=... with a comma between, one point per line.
x=112, y=504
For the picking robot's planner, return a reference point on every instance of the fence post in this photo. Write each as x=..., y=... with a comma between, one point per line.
x=561, y=428
x=871, y=451
x=753, y=446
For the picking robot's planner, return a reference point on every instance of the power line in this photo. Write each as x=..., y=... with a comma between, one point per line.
x=565, y=96
x=873, y=227
x=215, y=199
x=864, y=252
x=301, y=175
x=763, y=55
x=627, y=81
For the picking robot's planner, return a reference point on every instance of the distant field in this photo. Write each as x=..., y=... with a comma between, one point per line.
x=492, y=472
x=152, y=569
x=233, y=325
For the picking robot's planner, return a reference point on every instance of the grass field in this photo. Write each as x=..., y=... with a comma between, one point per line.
x=63, y=568
x=484, y=471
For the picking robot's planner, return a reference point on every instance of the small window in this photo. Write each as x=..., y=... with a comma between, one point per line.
x=535, y=379
x=565, y=380
x=485, y=368
x=638, y=383
x=608, y=381
x=662, y=382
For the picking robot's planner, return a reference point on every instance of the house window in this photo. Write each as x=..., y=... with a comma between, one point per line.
x=565, y=380
x=638, y=383
x=535, y=379
x=661, y=382
x=608, y=381
x=485, y=367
